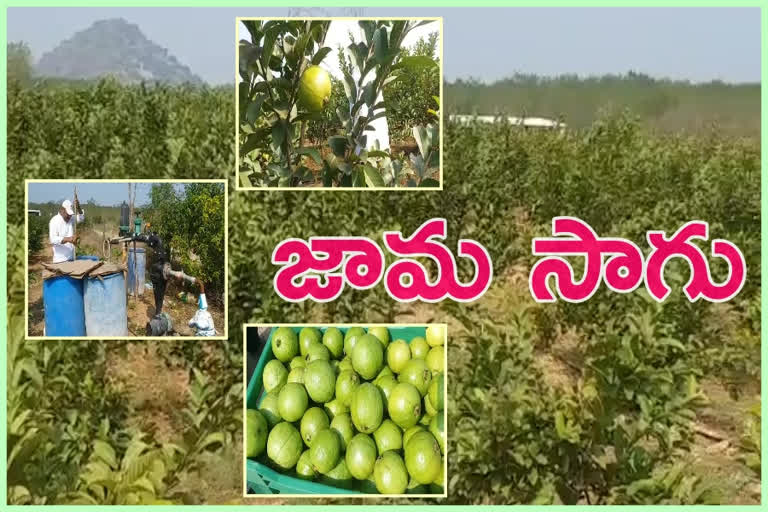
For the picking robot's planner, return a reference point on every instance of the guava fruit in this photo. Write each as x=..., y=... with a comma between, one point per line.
x=296, y=375
x=320, y=381
x=317, y=351
x=304, y=468
x=367, y=408
x=436, y=359
x=256, y=430
x=429, y=409
x=342, y=424
x=284, y=445
x=308, y=336
x=423, y=458
x=436, y=392
x=361, y=456
x=385, y=372
x=404, y=405
x=297, y=362
x=285, y=344
x=275, y=376
x=390, y=474
x=350, y=339
x=410, y=432
x=325, y=451
x=386, y=384
x=380, y=332
x=314, y=89
x=388, y=436
x=270, y=410
x=435, y=335
x=368, y=357
x=339, y=476
x=313, y=421
x=437, y=429
x=416, y=372
x=334, y=408
x=398, y=353
x=346, y=383
x=419, y=348
x=292, y=401
x=334, y=341
x=345, y=364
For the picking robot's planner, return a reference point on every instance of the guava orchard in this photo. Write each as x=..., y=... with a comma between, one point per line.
x=625, y=269
x=359, y=262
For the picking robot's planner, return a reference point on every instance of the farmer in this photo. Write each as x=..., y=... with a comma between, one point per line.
x=61, y=231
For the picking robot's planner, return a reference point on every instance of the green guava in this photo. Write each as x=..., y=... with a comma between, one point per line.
x=361, y=456
x=256, y=429
x=367, y=408
x=285, y=344
x=314, y=89
x=398, y=353
x=284, y=445
x=368, y=357
x=313, y=421
x=334, y=341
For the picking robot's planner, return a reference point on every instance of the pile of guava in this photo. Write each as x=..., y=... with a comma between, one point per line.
x=354, y=409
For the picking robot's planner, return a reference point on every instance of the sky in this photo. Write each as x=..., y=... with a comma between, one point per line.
x=696, y=44
x=104, y=193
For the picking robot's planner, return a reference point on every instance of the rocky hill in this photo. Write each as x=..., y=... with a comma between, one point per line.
x=118, y=48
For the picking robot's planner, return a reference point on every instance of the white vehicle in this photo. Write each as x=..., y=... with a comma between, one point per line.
x=525, y=122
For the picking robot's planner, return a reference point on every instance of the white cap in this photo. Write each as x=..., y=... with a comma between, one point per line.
x=67, y=205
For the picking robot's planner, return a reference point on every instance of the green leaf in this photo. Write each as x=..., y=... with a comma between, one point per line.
x=268, y=47
x=380, y=48
x=420, y=134
x=415, y=63
x=378, y=154
x=278, y=133
x=372, y=177
x=211, y=441
x=349, y=87
x=254, y=28
x=105, y=452
x=245, y=179
x=320, y=55
x=429, y=182
x=368, y=27
x=338, y=144
x=312, y=153
x=254, y=108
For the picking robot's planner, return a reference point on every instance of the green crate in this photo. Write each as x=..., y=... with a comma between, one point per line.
x=261, y=478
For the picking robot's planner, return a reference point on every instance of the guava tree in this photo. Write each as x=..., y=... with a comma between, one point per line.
x=283, y=88
x=356, y=161
x=271, y=67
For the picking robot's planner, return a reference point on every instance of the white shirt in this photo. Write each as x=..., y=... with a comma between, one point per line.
x=58, y=229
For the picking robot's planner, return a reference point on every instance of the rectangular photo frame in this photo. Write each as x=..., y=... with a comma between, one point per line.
x=281, y=104
x=203, y=319
x=276, y=484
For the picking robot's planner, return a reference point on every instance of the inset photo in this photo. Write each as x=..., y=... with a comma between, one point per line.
x=339, y=103
x=126, y=259
x=334, y=410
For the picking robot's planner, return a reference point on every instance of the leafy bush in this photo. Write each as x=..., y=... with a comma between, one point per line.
x=191, y=223
x=37, y=232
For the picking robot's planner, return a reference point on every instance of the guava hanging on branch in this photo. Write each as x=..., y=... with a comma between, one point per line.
x=281, y=87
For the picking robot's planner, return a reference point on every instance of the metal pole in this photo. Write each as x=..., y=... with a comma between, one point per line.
x=74, y=230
